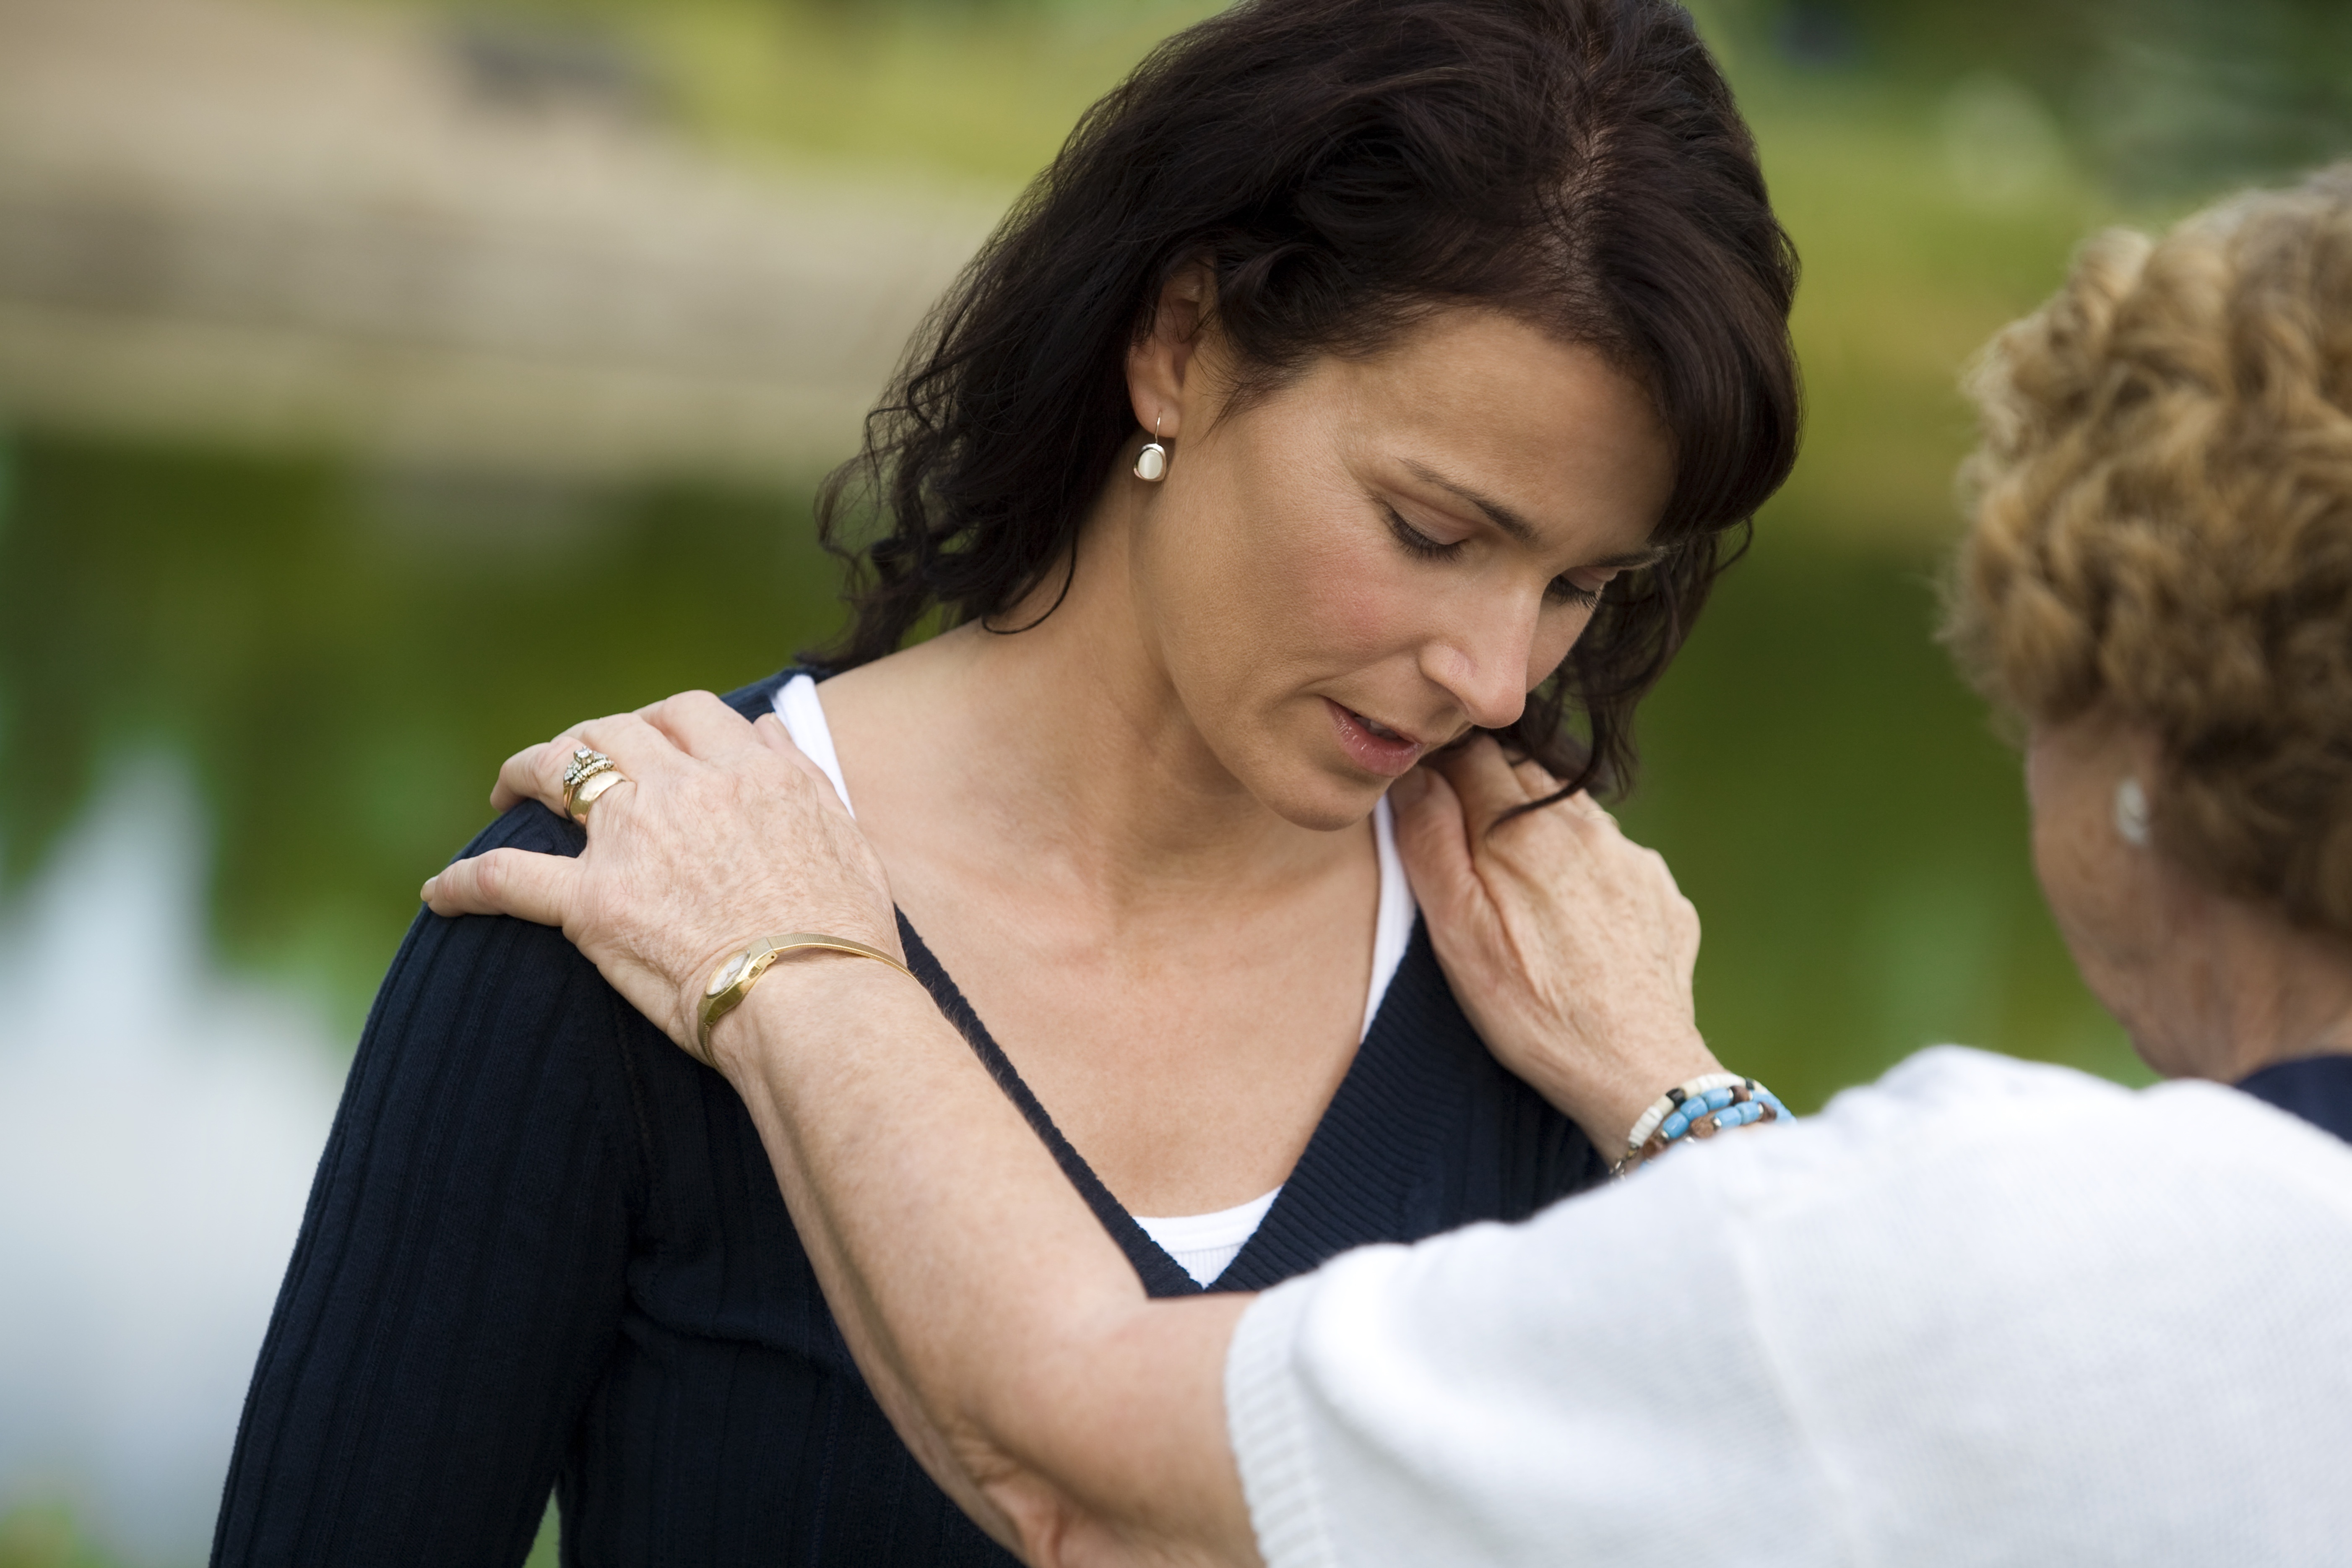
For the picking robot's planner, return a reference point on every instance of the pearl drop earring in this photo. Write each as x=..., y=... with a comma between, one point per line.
x=2131, y=812
x=1151, y=463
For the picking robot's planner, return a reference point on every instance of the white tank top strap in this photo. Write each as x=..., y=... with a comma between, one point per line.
x=802, y=715
x=1392, y=922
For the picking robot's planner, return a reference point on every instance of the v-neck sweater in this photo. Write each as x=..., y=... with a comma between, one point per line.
x=545, y=1249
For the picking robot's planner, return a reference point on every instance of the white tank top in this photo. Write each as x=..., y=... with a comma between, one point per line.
x=1203, y=1243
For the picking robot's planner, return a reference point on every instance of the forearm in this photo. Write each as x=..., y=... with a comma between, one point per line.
x=1002, y=1329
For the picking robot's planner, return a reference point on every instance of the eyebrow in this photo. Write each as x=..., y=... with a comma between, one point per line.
x=1518, y=527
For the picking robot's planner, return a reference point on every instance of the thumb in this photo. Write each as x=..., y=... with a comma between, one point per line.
x=535, y=888
x=1433, y=841
x=770, y=731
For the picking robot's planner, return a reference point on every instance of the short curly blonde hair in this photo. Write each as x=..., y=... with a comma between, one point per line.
x=2162, y=530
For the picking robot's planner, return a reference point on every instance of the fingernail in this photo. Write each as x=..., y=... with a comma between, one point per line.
x=425, y=894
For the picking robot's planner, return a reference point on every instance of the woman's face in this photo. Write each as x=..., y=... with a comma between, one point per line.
x=1387, y=552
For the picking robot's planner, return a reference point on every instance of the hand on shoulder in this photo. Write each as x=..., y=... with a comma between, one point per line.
x=681, y=865
x=1569, y=946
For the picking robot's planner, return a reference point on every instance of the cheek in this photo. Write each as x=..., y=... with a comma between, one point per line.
x=1357, y=606
x=2053, y=866
x=1307, y=590
x=2097, y=888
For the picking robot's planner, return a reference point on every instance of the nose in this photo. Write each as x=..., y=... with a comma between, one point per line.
x=1485, y=664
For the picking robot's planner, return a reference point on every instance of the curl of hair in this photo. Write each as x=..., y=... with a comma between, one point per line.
x=1344, y=167
x=2162, y=530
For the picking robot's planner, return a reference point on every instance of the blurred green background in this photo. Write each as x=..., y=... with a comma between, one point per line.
x=345, y=649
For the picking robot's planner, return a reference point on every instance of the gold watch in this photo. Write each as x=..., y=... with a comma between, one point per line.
x=734, y=979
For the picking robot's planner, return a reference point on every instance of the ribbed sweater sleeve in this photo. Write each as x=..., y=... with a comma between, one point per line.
x=458, y=1281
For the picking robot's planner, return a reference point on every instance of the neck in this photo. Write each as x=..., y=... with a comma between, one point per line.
x=1070, y=741
x=2270, y=992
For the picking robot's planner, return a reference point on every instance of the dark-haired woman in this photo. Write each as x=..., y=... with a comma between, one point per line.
x=1363, y=373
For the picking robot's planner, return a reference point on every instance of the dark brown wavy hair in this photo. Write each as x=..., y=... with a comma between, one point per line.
x=1344, y=167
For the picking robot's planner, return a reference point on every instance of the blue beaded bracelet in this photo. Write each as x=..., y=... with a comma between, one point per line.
x=1699, y=1109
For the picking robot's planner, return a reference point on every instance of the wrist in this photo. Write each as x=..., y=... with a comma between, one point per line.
x=738, y=976
x=805, y=998
x=1697, y=1110
x=1606, y=1099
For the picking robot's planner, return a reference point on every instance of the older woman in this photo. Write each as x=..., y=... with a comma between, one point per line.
x=1981, y=1312
x=2159, y=583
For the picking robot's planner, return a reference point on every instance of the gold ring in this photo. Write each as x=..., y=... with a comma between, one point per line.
x=586, y=776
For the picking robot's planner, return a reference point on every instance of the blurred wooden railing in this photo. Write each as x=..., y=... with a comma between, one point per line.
x=239, y=221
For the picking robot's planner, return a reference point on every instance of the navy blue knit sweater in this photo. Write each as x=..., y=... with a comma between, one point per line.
x=545, y=1250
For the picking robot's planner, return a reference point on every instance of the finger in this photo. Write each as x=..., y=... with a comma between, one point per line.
x=769, y=731
x=536, y=773
x=518, y=779
x=635, y=747
x=1535, y=778
x=1433, y=839
x=634, y=744
x=518, y=775
x=1583, y=803
x=1482, y=781
x=699, y=725
x=531, y=887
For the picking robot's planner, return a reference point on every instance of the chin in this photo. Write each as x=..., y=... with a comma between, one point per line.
x=1295, y=771
x=1319, y=800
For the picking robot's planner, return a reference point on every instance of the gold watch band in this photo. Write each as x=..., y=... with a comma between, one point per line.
x=733, y=980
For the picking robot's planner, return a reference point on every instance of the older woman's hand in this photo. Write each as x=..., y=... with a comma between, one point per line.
x=748, y=838
x=1569, y=946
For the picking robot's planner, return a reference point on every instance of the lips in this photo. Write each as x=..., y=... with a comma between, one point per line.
x=1371, y=745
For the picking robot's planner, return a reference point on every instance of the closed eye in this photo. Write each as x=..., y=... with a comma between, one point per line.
x=1569, y=591
x=1562, y=590
x=1416, y=541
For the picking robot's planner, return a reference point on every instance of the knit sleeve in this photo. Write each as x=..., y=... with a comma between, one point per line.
x=1586, y=1387
x=458, y=1284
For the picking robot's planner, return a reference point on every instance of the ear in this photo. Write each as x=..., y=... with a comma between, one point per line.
x=1163, y=382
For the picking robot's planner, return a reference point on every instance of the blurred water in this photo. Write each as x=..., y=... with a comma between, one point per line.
x=159, y=1124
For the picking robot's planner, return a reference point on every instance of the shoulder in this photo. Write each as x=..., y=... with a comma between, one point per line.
x=760, y=696
x=456, y=977
x=1952, y=1115
x=2318, y=1089
x=1972, y=1288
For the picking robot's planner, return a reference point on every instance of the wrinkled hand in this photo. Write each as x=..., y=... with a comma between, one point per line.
x=1569, y=946
x=723, y=834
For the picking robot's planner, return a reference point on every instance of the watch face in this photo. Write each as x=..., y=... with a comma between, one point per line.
x=728, y=975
